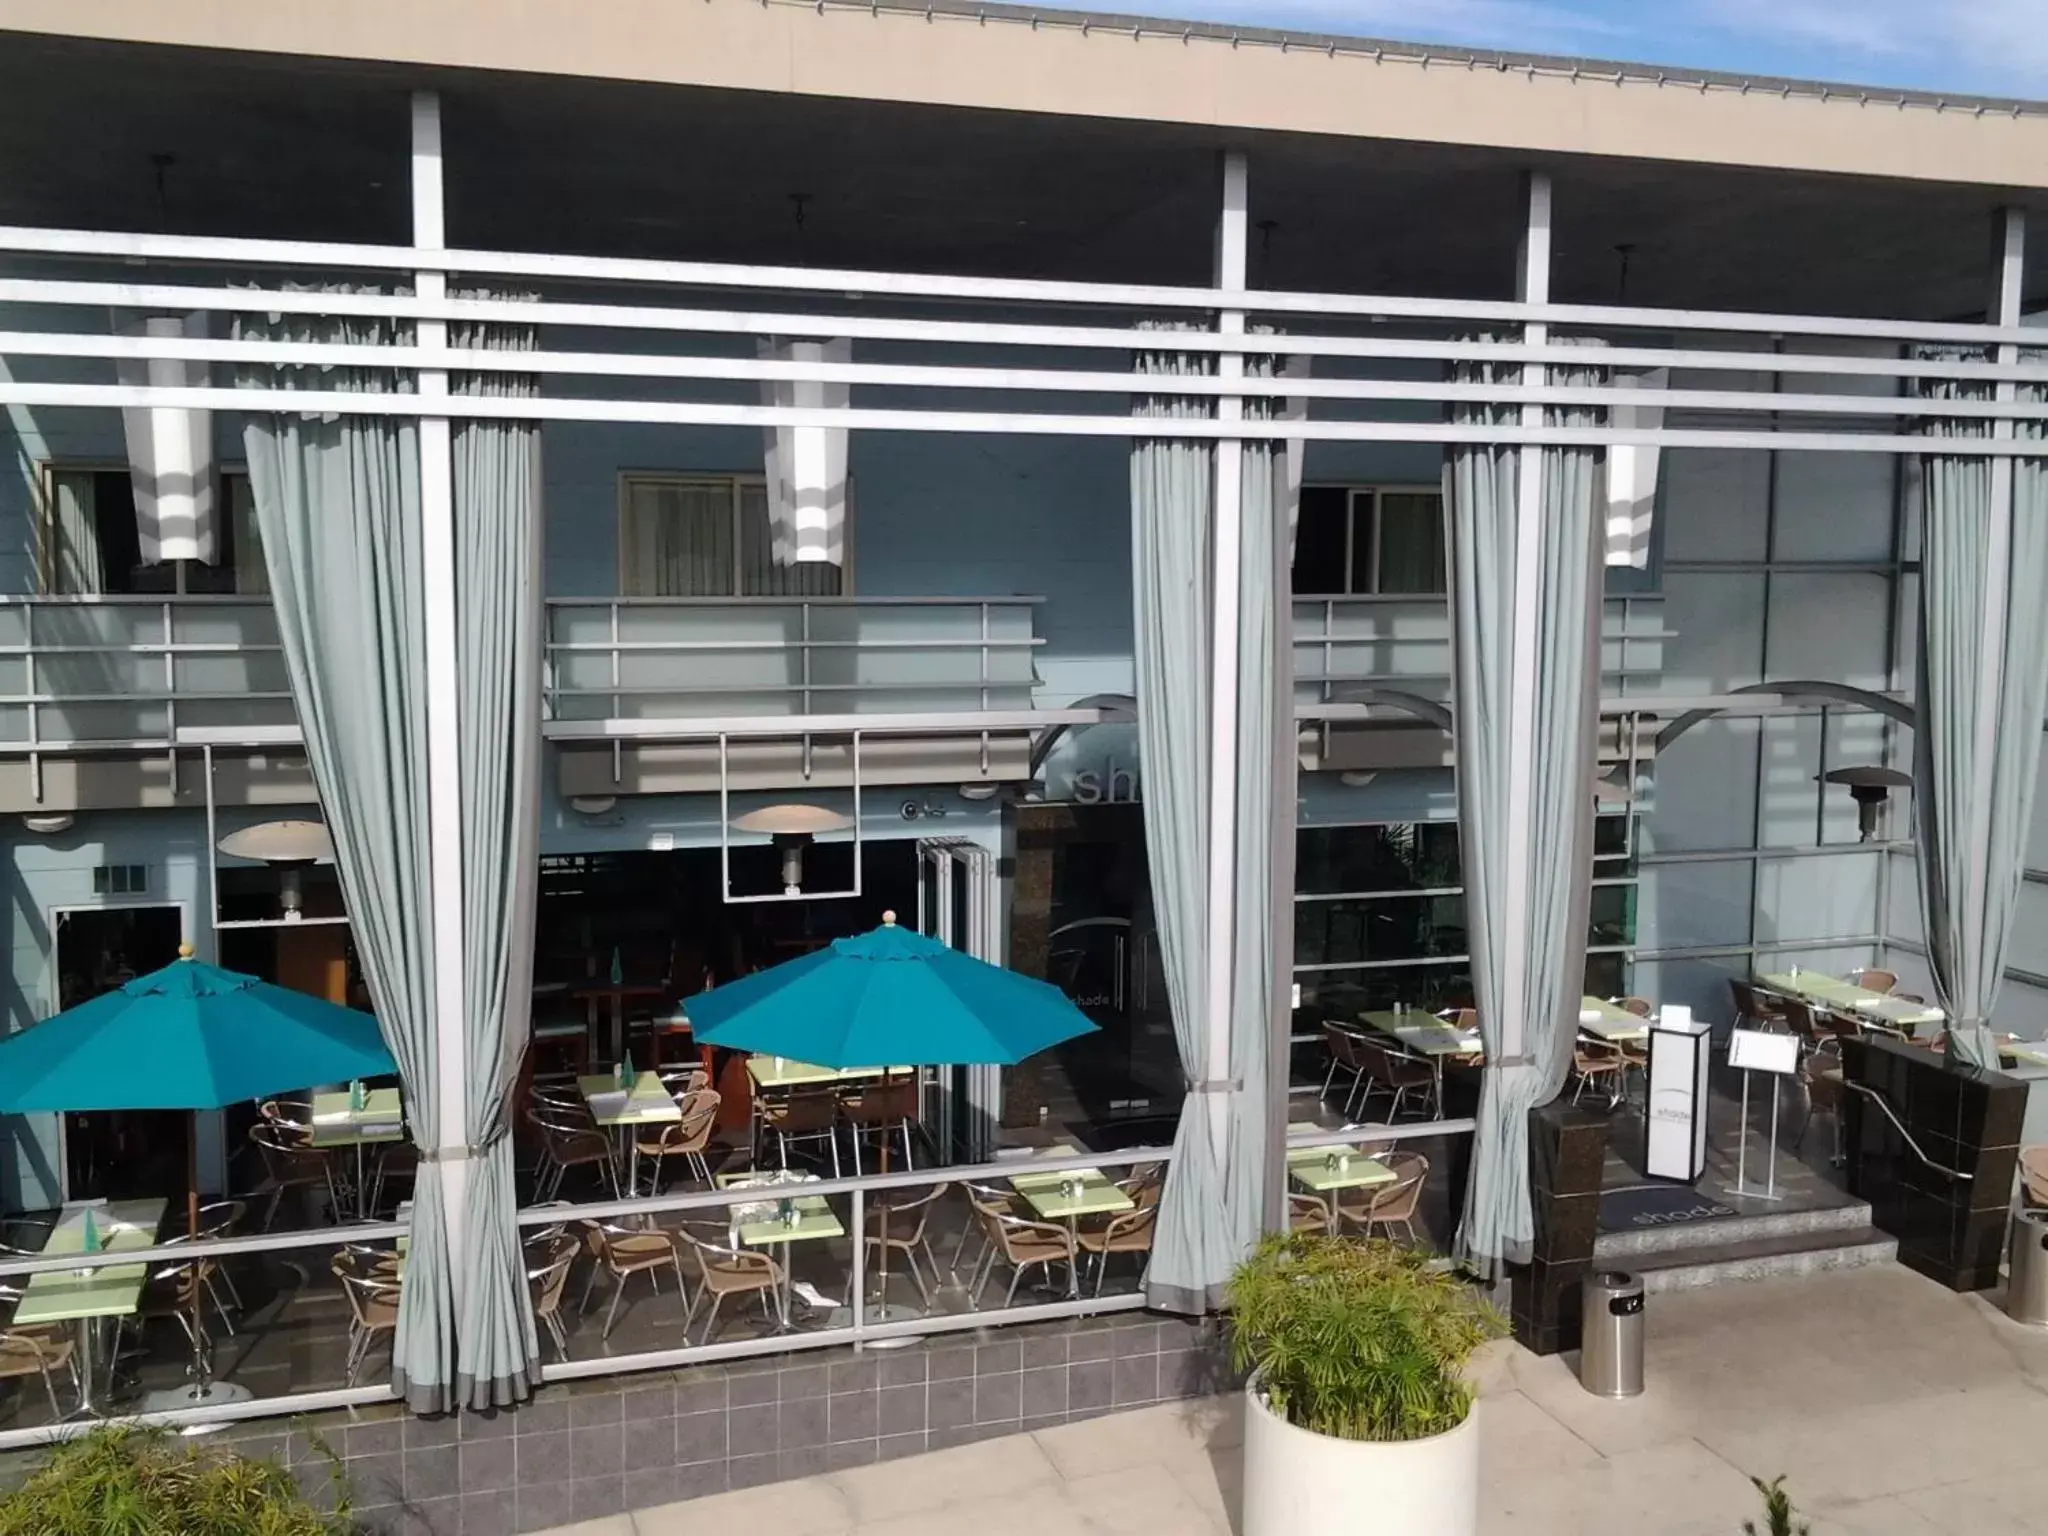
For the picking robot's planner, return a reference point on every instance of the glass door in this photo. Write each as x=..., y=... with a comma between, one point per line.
x=959, y=904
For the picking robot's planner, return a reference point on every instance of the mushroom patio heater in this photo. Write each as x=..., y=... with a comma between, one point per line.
x=792, y=829
x=292, y=846
x=1870, y=787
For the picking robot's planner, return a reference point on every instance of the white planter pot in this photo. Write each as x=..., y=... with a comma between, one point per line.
x=1298, y=1483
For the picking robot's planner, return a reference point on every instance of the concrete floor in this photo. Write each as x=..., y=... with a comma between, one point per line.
x=1893, y=1407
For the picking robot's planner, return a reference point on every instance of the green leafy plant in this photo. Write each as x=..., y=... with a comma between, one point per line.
x=1357, y=1340
x=1778, y=1512
x=127, y=1481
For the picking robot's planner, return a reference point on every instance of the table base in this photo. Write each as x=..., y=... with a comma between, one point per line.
x=197, y=1395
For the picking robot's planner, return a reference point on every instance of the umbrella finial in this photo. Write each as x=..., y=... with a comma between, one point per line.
x=184, y=951
x=889, y=919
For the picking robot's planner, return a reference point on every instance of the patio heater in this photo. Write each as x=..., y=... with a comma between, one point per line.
x=291, y=847
x=1870, y=787
x=792, y=828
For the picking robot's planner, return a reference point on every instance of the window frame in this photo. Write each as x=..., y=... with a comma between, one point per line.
x=1371, y=491
x=47, y=471
x=734, y=482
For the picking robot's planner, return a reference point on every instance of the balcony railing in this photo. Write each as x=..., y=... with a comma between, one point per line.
x=1407, y=640
x=113, y=671
x=663, y=658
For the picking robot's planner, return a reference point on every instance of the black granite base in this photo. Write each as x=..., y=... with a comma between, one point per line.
x=1950, y=1221
x=1567, y=1158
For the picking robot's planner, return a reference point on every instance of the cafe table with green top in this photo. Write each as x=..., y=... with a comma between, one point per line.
x=1327, y=1170
x=624, y=1106
x=1820, y=990
x=88, y=1297
x=1611, y=1022
x=784, y=1072
x=781, y=1218
x=1435, y=1040
x=1066, y=1196
x=352, y=1118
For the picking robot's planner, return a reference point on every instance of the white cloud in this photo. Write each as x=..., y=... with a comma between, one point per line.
x=2001, y=44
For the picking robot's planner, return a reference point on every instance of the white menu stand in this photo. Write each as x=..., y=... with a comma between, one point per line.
x=1675, y=1132
x=1751, y=1051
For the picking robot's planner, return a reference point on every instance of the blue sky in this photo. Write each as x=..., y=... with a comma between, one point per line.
x=1986, y=47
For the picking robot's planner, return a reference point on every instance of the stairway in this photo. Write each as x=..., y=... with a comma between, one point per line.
x=1689, y=1255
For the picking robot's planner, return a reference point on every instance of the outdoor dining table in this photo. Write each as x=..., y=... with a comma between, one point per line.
x=1435, y=1040
x=87, y=1297
x=784, y=1072
x=1610, y=1022
x=1326, y=1170
x=624, y=1109
x=1842, y=997
x=810, y=1219
x=378, y=1121
x=1067, y=1197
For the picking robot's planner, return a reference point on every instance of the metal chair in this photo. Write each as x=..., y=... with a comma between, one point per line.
x=1594, y=1058
x=982, y=1199
x=373, y=1307
x=624, y=1252
x=1021, y=1243
x=1874, y=979
x=685, y=1138
x=1126, y=1232
x=290, y=1162
x=1759, y=1009
x=1307, y=1213
x=38, y=1352
x=903, y=1226
x=878, y=1109
x=567, y=1143
x=2034, y=1175
x=724, y=1270
x=1389, y=1205
x=549, y=1280
x=1342, y=1046
x=802, y=1115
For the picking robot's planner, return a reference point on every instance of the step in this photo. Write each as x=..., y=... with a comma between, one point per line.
x=1622, y=1247
x=1769, y=1258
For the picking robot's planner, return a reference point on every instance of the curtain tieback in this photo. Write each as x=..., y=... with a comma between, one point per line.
x=1217, y=1085
x=452, y=1154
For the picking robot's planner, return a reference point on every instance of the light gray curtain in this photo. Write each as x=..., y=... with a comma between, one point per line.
x=338, y=503
x=1259, y=715
x=1972, y=815
x=1172, y=502
x=1482, y=522
x=74, y=564
x=498, y=591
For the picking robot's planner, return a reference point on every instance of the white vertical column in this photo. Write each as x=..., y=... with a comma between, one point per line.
x=444, y=778
x=2008, y=274
x=1532, y=286
x=1226, y=556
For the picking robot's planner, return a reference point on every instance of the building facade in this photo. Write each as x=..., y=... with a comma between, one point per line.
x=952, y=244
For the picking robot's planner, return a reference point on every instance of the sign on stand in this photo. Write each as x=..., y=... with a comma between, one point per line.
x=1753, y=1051
x=1675, y=1135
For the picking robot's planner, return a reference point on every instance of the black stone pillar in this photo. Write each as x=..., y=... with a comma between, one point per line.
x=1950, y=1228
x=1567, y=1156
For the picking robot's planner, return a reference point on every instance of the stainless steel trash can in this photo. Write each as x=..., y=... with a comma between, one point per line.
x=1611, y=1341
x=2026, y=1281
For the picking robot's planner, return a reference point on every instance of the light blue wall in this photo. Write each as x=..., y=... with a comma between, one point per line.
x=45, y=874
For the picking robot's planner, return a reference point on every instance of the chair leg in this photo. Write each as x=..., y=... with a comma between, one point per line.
x=1016, y=1276
x=611, y=1312
x=711, y=1319
x=589, y=1285
x=50, y=1389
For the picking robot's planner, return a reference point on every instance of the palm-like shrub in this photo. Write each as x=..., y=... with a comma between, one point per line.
x=1356, y=1340
x=124, y=1481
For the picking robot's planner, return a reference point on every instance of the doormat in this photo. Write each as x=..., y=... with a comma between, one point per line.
x=1634, y=1207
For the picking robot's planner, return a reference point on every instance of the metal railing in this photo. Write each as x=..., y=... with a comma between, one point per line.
x=622, y=658
x=1367, y=638
x=1870, y=1093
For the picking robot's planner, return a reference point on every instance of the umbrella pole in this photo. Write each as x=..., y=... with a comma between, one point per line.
x=201, y=1356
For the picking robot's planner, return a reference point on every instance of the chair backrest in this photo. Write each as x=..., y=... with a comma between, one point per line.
x=1639, y=1006
x=1800, y=1017
x=2034, y=1168
x=883, y=1103
x=1876, y=979
x=1745, y=998
x=803, y=1111
x=550, y=1279
x=280, y=1145
x=1397, y=1201
x=700, y=1118
x=1466, y=1018
x=990, y=1199
x=1307, y=1213
x=360, y=1285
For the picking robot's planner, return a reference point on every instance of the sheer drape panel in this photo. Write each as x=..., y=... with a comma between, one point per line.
x=1172, y=500
x=1547, y=926
x=73, y=563
x=498, y=588
x=1983, y=687
x=338, y=502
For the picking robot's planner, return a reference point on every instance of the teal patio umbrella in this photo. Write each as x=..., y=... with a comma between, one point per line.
x=885, y=997
x=190, y=1036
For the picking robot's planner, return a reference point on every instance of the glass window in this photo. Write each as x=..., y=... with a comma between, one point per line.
x=1411, y=542
x=1362, y=540
x=707, y=536
x=91, y=542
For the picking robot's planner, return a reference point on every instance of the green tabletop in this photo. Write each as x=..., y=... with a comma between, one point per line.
x=782, y=1072
x=1611, y=1022
x=381, y=1118
x=1310, y=1168
x=2033, y=1052
x=66, y=1295
x=814, y=1219
x=648, y=1102
x=1094, y=1193
x=1426, y=1034
x=1834, y=993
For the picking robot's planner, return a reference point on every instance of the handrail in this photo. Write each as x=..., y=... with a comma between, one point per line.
x=1899, y=1125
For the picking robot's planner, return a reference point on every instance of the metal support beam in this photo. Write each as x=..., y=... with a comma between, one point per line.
x=1532, y=286
x=444, y=780
x=1226, y=556
x=2008, y=277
